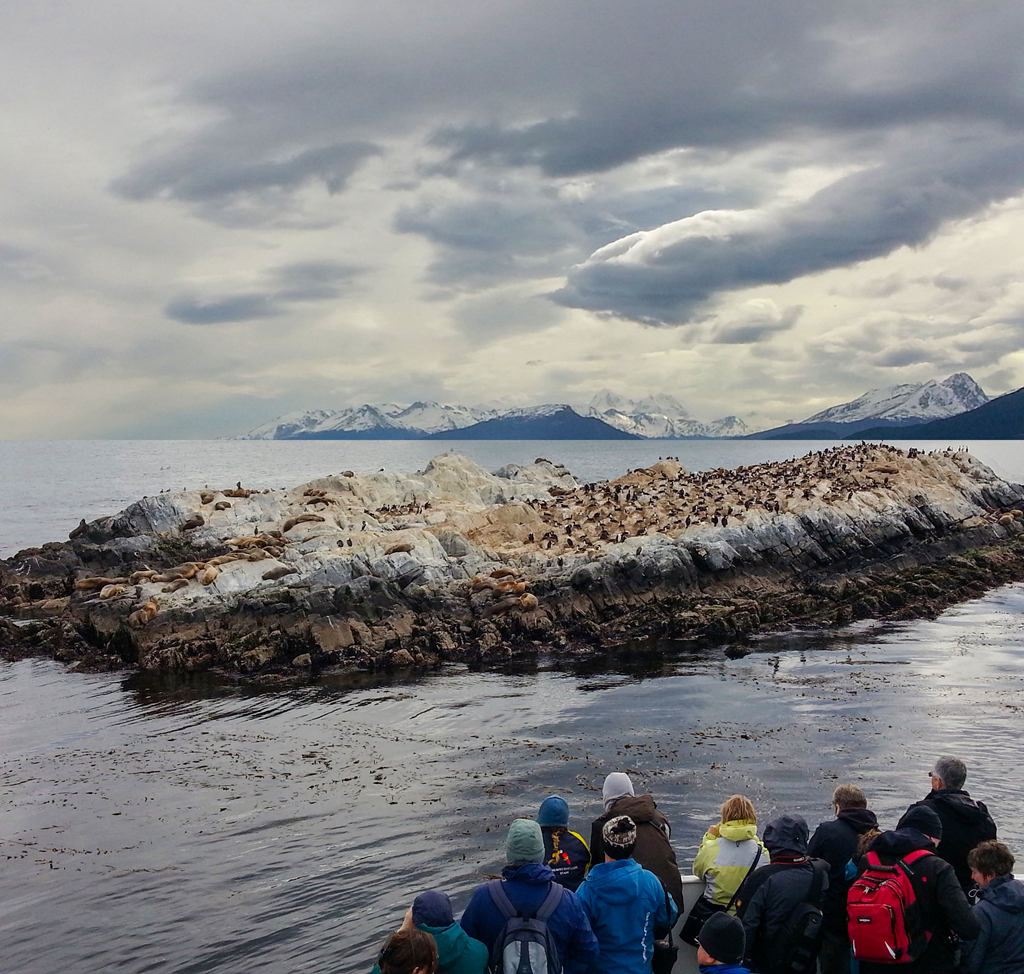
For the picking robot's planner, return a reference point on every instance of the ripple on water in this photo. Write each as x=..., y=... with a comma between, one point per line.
x=192, y=825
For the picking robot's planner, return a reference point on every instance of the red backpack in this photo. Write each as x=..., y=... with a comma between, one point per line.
x=883, y=913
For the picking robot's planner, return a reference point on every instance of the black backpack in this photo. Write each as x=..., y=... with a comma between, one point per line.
x=525, y=944
x=804, y=930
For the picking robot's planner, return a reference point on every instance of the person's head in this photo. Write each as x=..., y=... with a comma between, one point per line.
x=925, y=820
x=432, y=909
x=553, y=812
x=408, y=952
x=525, y=842
x=948, y=773
x=619, y=837
x=786, y=836
x=848, y=796
x=989, y=859
x=617, y=785
x=721, y=940
x=738, y=808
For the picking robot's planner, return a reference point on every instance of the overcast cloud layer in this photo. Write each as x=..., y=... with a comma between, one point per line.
x=215, y=214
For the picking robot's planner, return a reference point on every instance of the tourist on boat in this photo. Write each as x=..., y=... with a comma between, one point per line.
x=965, y=821
x=526, y=880
x=943, y=907
x=457, y=952
x=999, y=910
x=564, y=851
x=728, y=851
x=721, y=944
x=408, y=951
x=653, y=850
x=626, y=904
x=770, y=897
x=836, y=842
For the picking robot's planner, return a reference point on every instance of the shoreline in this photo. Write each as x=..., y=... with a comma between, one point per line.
x=454, y=564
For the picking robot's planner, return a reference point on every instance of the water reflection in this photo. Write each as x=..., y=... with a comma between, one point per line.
x=164, y=824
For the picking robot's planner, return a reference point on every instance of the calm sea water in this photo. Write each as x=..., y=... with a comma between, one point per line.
x=181, y=825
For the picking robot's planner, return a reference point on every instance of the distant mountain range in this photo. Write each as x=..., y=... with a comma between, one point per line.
x=910, y=410
x=885, y=410
x=997, y=419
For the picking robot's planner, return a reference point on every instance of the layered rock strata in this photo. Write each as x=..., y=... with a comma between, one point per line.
x=457, y=564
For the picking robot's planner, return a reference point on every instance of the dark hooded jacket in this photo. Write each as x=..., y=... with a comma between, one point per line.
x=652, y=850
x=965, y=823
x=944, y=907
x=836, y=841
x=999, y=947
x=769, y=898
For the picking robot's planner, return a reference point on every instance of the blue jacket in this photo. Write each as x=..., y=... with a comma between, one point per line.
x=999, y=948
x=526, y=886
x=625, y=902
x=724, y=969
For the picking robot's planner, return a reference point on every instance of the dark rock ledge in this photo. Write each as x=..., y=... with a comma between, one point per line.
x=456, y=564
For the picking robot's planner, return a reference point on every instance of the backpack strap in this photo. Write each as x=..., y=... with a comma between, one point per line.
x=501, y=900
x=818, y=879
x=550, y=903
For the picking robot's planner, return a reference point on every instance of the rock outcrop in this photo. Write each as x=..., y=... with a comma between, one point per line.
x=455, y=563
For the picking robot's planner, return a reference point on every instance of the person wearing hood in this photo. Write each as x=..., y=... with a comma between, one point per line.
x=526, y=881
x=965, y=821
x=653, y=849
x=770, y=897
x=728, y=851
x=458, y=953
x=836, y=841
x=624, y=903
x=999, y=910
x=564, y=851
x=943, y=907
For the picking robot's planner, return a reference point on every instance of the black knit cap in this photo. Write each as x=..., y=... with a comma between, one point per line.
x=922, y=818
x=723, y=938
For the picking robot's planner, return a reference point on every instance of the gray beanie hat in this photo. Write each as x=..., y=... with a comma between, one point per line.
x=525, y=842
x=616, y=785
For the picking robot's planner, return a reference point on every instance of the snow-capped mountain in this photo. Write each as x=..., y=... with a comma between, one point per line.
x=909, y=402
x=390, y=418
x=658, y=416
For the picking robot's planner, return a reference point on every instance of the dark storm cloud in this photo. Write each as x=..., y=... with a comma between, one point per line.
x=312, y=281
x=908, y=353
x=303, y=281
x=664, y=277
x=756, y=326
x=221, y=311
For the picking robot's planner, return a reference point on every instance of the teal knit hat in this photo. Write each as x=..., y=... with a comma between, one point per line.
x=525, y=842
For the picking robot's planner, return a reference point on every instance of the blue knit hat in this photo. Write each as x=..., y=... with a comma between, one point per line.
x=554, y=811
x=433, y=909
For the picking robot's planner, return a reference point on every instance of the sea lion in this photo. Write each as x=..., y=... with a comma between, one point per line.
x=112, y=591
x=206, y=496
x=279, y=572
x=300, y=519
x=175, y=585
x=222, y=506
x=402, y=546
x=144, y=575
x=503, y=572
x=209, y=574
x=98, y=581
x=146, y=614
x=79, y=531
x=195, y=521
x=236, y=492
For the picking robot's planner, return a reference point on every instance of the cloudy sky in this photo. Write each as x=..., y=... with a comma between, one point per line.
x=216, y=212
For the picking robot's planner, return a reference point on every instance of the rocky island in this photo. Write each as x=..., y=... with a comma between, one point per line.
x=454, y=563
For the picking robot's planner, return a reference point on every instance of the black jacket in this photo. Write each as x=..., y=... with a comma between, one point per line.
x=767, y=901
x=944, y=907
x=965, y=823
x=836, y=841
x=653, y=850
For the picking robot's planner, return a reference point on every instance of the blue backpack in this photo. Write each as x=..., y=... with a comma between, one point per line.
x=525, y=944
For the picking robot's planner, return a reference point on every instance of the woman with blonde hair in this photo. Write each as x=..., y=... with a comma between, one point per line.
x=729, y=851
